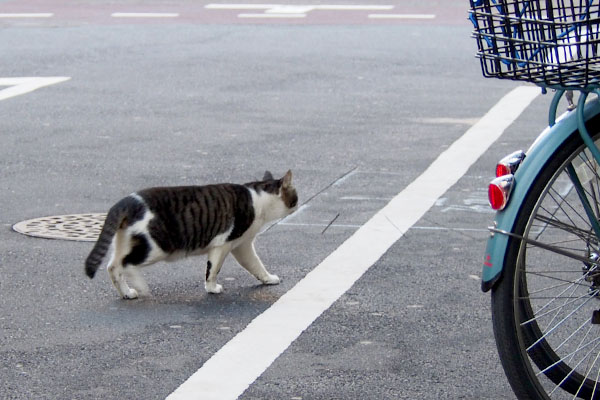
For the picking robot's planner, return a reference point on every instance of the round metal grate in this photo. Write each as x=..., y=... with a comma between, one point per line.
x=80, y=227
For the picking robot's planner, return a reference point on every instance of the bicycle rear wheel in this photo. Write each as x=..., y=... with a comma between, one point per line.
x=543, y=306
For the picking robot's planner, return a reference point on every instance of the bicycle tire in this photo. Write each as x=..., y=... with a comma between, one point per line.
x=537, y=325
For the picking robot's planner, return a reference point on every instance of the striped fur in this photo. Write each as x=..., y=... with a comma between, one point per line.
x=164, y=223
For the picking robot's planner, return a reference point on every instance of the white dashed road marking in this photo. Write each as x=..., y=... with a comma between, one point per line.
x=18, y=86
x=271, y=15
x=26, y=15
x=278, y=8
x=229, y=372
x=292, y=10
x=144, y=15
x=401, y=16
x=308, y=13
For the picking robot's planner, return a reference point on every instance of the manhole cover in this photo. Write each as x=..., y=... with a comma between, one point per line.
x=81, y=227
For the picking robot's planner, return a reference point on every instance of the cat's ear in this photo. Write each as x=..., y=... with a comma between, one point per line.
x=268, y=176
x=287, y=180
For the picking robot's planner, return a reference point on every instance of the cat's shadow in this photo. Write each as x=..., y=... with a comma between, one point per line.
x=174, y=309
x=198, y=296
x=186, y=300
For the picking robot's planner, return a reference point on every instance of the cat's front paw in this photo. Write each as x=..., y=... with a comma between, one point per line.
x=214, y=288
x=271, y=280
x=130, y=294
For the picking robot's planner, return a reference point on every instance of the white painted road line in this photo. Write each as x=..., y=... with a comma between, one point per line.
x=353, y=7
x=271, y=15
x=26, y=15
x=289, y=9
x=269, y=11
x=401, y=16
x=229, y=372
x=18, y=86
x=293, y=10
x=240, y=6
x=325, y=7
x=144, y=15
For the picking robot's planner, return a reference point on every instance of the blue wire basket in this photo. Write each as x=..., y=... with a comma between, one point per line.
x=552, y=43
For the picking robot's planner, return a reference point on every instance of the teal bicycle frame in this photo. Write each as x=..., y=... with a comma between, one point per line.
x=540, y=152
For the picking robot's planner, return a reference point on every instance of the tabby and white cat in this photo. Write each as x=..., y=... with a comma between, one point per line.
x=170, y=222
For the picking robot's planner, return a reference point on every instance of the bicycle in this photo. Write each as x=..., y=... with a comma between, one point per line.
x=542, y=259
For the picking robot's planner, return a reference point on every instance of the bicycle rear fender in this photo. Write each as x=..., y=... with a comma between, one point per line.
x=538, y=155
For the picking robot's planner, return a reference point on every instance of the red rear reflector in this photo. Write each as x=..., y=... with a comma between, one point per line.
x=510, y=163
x=502, y=170
x=499, y=191
x=496, y=197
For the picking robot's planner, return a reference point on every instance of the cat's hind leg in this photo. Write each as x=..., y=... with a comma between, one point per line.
x=216, y=256
x=116, y=271
x=117, y=276
x=246, y=256
x=136, y=280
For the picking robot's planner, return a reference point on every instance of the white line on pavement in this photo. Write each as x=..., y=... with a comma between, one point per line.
x=26, y=15
x=229, y=372
x=271, y=15
x=324, y=7
x=18, y=86
x=240, y=6
x=352, y=7
x=144, y=15
x=293, y=10
x=401, y=16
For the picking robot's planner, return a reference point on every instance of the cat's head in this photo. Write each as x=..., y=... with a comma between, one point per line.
x=282, y=188
x=287, y=191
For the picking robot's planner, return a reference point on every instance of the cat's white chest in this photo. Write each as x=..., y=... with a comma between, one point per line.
x=267, y=207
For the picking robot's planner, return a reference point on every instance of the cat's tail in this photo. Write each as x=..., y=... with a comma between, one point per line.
x=117, y=218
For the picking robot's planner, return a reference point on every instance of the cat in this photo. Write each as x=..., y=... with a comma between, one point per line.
x=166, y=223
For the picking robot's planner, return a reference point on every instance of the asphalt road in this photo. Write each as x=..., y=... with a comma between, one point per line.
x=194, y=100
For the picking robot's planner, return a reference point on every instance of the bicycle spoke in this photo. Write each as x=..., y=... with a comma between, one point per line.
x=568, y=215
x=547, y=312
x=569, y=299
x=558, y=207
x=581, y=233
x=586, y=322
x=561, y=360
x=573, y=370
x=545, y=289
x=551, y=330
x=575, y=282
x=559, y=310
x=595, y=383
